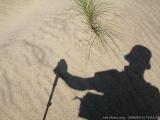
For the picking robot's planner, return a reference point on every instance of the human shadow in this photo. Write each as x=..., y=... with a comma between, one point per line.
x=125, y=94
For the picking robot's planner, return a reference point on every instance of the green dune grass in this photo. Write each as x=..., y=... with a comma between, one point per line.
x=93, y=12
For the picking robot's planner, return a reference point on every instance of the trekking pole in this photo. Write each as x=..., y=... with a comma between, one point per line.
x=50, y=97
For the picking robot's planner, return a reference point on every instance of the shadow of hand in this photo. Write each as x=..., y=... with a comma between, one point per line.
x=61, y=68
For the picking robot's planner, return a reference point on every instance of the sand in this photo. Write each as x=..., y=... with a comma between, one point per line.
x=36, y=34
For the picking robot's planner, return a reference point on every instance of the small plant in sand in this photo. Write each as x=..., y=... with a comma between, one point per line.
x=93, y=12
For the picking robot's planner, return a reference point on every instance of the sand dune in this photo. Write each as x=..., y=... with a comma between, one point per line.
x=35, y=35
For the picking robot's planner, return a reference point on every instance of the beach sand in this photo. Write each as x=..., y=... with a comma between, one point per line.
x=36, y=34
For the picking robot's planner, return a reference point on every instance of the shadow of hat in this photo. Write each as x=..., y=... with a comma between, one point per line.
x=139, y=55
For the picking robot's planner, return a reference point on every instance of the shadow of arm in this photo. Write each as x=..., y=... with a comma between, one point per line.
x=78, y=83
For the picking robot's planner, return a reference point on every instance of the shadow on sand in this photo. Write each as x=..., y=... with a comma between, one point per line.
x=125, y=93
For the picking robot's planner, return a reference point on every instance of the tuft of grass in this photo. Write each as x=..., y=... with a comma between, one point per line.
x=93, y=12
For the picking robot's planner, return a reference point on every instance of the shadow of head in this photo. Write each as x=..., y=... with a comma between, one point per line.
x=139, y=57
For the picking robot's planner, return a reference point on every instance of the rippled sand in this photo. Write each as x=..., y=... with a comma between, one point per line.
x=36, y=34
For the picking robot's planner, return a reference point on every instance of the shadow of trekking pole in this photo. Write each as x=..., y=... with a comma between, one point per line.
x=60, y=68
x=50, y=97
